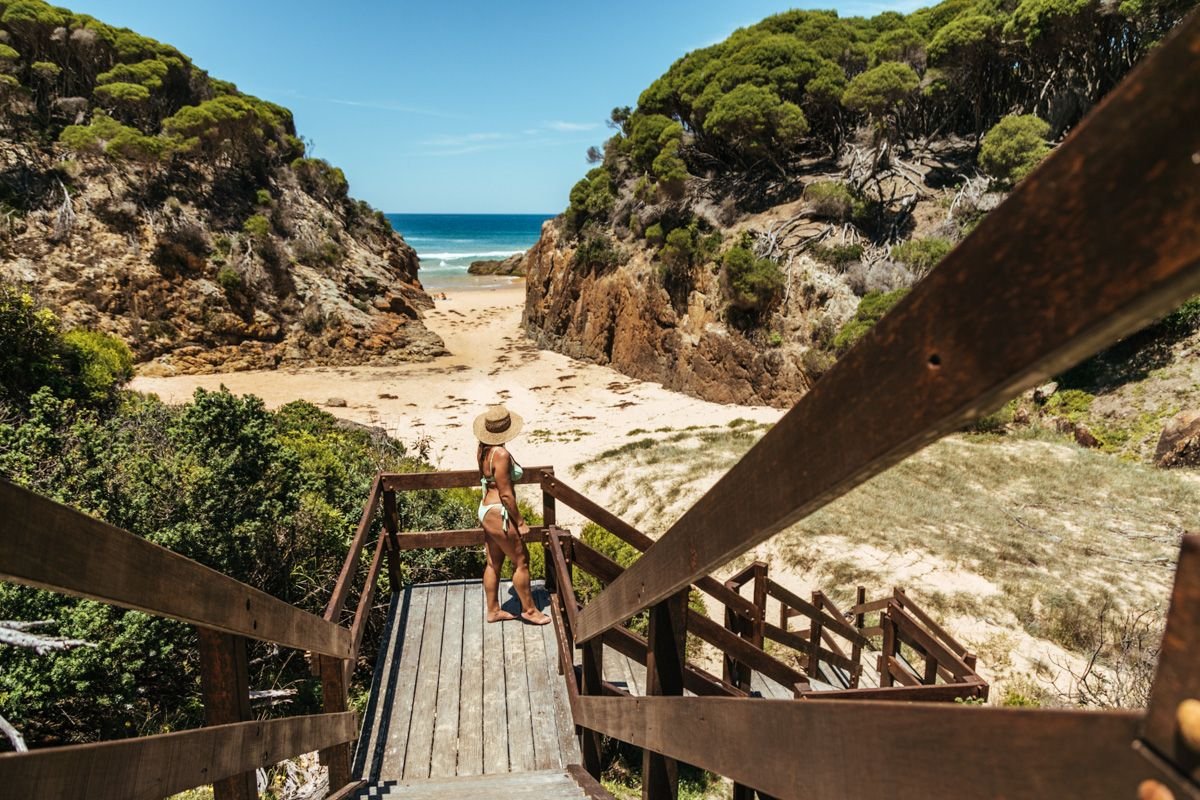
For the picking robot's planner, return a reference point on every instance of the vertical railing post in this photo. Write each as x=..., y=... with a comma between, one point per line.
x=860, y=597
x=760, y=603
x=665, y=659
x=225, y=688
x=335, y=699
x=889, y=647
x=391, y=524
x=814, y=639
x=593, y=677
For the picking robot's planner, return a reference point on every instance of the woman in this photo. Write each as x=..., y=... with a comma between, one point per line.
x=502, y=523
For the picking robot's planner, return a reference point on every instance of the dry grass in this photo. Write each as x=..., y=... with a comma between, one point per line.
x=1016, y=543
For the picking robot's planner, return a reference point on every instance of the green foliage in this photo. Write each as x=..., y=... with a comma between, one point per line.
x=148, y=74
x=654, y=234
x=230, y=280
x=646, y=131
x=880, y=90
x=838, y=255
x=756, y=121
x=262, y=197
x=1013, y=147
x=753, y=283
x=596, y=252
x=899, y=44
x=832, y=200
x=321, y=179
x=31, y=355
x=257, y=226
x=45, y=70
x=871, y=309
x=1073, y=404
x=922, y=255
x=102, y=364
x=592, y=199
x=121, y=94
x=8, y=54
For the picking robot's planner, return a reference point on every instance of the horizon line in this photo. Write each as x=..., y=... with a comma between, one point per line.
x=478, y=213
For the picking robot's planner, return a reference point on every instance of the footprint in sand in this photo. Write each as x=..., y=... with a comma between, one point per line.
x=386, y=396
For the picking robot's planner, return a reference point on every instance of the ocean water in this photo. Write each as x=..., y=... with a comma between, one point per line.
x=448, y=243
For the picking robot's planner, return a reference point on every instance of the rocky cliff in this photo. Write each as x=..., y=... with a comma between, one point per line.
x=141, y=197
x=624, y=317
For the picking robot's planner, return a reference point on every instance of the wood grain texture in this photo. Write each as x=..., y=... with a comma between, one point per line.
x=50, y=546
x=444, y=758
x=495, y=698
x=153, y=767
x=468, y=537
x=400, y=685
x=450, y=479
x=916, y=750
x=992, y=320
x=470, y=714
x=225, y=688
x=345, y=579
x=418, y=756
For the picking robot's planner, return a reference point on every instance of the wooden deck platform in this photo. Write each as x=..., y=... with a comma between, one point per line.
x=455, y=697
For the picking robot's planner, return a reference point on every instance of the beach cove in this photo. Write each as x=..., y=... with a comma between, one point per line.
x=574, y=410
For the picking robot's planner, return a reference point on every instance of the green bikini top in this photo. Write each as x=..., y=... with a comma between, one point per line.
x=514, y=471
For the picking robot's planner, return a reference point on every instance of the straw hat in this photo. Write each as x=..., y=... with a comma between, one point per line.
x=497, y=425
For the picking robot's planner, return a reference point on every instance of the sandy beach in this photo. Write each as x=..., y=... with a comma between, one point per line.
x=573, y=410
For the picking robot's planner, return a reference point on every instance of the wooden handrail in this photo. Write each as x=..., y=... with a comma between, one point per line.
x=450, y=479
x=50, y=546
x=341, y=589
x=1056, y=272
x=162, y=765
x=916, y=750
x=618, y=527
x=912, y=608
x=466, y=537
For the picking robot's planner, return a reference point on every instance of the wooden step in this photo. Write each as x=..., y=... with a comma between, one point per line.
x=548, y=784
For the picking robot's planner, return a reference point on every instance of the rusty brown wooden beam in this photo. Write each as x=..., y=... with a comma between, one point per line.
x=467, y=537
x=450, y=479
x=939, y=693
x=163, y=765
x=1095, y=244
x=345, y=579
x=50, y=546
x=915, y=750
x=637, y=540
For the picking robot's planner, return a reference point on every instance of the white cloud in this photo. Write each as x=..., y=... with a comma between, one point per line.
x=381, y=105
x=571, y=127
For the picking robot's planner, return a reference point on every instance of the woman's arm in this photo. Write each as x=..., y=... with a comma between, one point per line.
x=506, y=490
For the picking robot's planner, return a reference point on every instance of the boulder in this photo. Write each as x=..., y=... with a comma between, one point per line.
x=1044, y=392
x=1179, y=444
x=513, y=265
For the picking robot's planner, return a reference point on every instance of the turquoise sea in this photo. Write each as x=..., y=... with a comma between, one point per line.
x=448, y=243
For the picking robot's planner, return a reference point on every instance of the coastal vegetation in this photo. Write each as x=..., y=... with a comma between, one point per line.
x=269, y=497
x=838, y=159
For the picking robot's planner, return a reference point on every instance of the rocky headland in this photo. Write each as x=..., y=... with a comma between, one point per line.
x=514, y=266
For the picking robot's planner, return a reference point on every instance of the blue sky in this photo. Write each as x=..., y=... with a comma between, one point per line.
x=447, y=107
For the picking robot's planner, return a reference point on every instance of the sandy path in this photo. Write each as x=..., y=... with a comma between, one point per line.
x=573, y=410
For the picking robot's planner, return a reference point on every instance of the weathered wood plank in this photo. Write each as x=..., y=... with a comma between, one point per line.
x=666, y=655
x=963, y=752
x=450, y=479
x=568, y=746
x=400, y=686
x=990, y=321
x=468, y=537
x=362, y=613
x=470, y=714
x=942, y=692
x=50, y=546
x=1176, y=679
x=444, y=761
x=418, y=758
x=546, y=751
x=495, y=697
x=152, y=767
x=520, y=716
x=635, y=538
x=225, y=687
x=345, y=579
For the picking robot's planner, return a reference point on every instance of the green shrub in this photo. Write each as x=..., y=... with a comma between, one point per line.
x=257, y=226
x=880, y=90
x=1013, y=147
x=831, y=200
x=103, y=364
x=262, y=197
x=654, y=234
x=753, y=283
x=1072, y=404
x=871, y=308
x=922, y=255
x=45, y=70
x=230, y=280
x=592, y=199
x=838, y=255
x=596, y=252
x=321, y=179
x=678, y=250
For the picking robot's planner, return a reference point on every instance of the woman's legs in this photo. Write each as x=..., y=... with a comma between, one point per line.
x=512, y=547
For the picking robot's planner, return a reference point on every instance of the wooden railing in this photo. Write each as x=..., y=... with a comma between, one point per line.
x=49, y=546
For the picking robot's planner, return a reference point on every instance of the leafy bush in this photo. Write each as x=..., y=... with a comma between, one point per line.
x=592, y=199
x=832, y=200
x=756, y=121
x=102, y=364
x=257, y=226
x=230, y=280
x=838, y=255
x=654, y=234
x=596, y=252
x=753, y=283
x=880, y=90
x=262, y=197
x=321, y=179
x=871, y=309
x=922, y=255
x=1013, y=147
